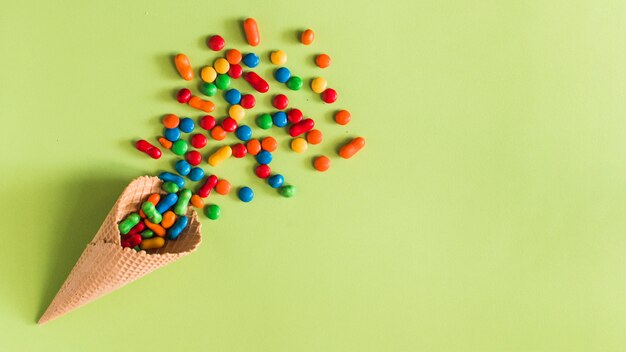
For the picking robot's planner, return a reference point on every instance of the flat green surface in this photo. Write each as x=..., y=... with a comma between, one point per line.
x=486, y=213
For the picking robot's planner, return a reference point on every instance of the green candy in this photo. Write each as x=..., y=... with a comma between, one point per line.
x=147, y=234
x=151, y=213
x=287, y=191
x=128, y=223
x=264, y=121
x=213, y=211
x=180, y=208
x=170, y=187
x=208, y=89
x=137, y=248
x=180, y=147
x=294, y=83
x=222, y=82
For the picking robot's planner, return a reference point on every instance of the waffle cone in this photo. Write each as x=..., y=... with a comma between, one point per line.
x=106, y=266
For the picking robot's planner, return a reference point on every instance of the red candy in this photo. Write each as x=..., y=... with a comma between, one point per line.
x=208, y=185
x=280, y=102
x=216, y=43
x=247, y=101
x=239, y=150
x=137, y=228
x=329, y=95
x=294, y=115
x=183, y=95
x=131, y=241
x=193, y=157
x=229, y=124
x=198, y=140
x=263, y=171
x=144, y=146
x=256, y=82
x=301, y=127
x=207, y=122
x=235, y=71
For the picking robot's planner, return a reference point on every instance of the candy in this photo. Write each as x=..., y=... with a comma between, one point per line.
x=147, y=233
x=216, y=43
x=222, y=82
x=280, y=102
x=322, y=60
x=294, y=83
x=235, y=71
x=321, y=163
x=183, y=66
x=299, y=145
x=244, y=132
x=196, y=174
x=196, y=201
x=278, y=57
x=282, y=74
x=145, y=146
x=170, y=187
x=156, y=228
x=222, y=187
x=352, y=147
x=183, y=95
x=131, y=241
x=220, y=155
x=245, y=194
x=201, y=104
x=172, y=134
x=165, y=143
x=207, y=186
x=329, y=96
x=186, y=125
x=307, y=37
x=168, y=219
x=239, y=150
x=314, y=137
x=182, y=167
x=264, y=157
x=180, y=147
x=301, y=127
x=154, y=198
x=167, y=202
x=198, y=141
x=264, y=121
x=269, y=144
x=180, y=208
x=294, y=115
x=251, y=60
x=151, y=213
x=208, y=74
x=218, y=133
x=152, y=243
x=207, y=122
x=256, y=82
x=137, y=228
x=287, y=191
x=232, y=96
x=253, y=146
x=279, y=119
x=168, y=176
x=318, y=85
x=127, y=224
x=343, y=117
x=251, y=30
x=229, y=124
x=233, y=56
x=208, y=89
x=221, y=65
x=247, y=101
x=177, y=228
x=237, y=112
x=213, y=212
x=263, y=171
x=170, y=121
x=276, y=181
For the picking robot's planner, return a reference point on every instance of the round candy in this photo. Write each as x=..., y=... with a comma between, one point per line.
x=307, y=37
x=322, y=60
x=253, y=146
x=218, y=133
x=183, y=95
x=208, y=74
x=233, y=56
x=294, y=83
x=278, y=57
x=237, y=112
x=343, y=117
x=282, y=74
x=321, y=163
x=208, y=89
x=247, y=101
x=207, y=122
x=193, y=157
x=235, y=71
x=239, y=150
x=299, y=145
x=180, y=147
x=222, y=82
x=276, y=181
x=251, y=60
x=264, y=157
x=269, y=144
x=294, y=115
x=287, y=191
x=280, y=102
x=279, y=119
x=186, y=125
x=196, y=174
x=232, y=96
x=216, y=43
x=246, y=194
x=264, y=121
x=171, y=121
x=263, y=171
x=182, y=167
x=221, y=65
x=213, y=212
x=222, y=187
x=329, y=96
x=172, y=134
x=244, y=132
x=318, y=85
x=314, y=136
x=229, y=124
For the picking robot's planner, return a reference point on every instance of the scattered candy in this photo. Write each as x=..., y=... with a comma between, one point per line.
x=144, y=146
x=245, y=194
x=329, y=95
x=210, y=183
x=183, y=168
x=201, y=104
x=196, y=201
x=222, y=187
x=264, y=157
x=232, y=96
x=208, y=89
x=314, y=137
x=322, y=60
x=198, y=140
x=196, y=174
x=172, y=134
x=221, y=65
x=264, y=121
x=171, y=187
x=282, y=74
x=263, y=171
x=165, y=143
x=251, y=60
x=229, y=124
x=294, y=115
x=253, y=146
x=237, y=112
x=168, y=176
x=244, y=132
x=183, y=66
x=301, y=127
x=269, y=144
x=256, y=82
x=251, y=30
x=186, y=125
x=352, y=147
x=278, y=57
x=220, y=155
x=299, y=145
x=287, y=191
x=208, y=74
x=343, y=117
x=248, y=101
x=216, y=43
x=233, y=56
x=239, y=150
x=222, y=82
x=280, y=102
x=294, y=83
x=218, y=133
x=321, y=163
x=171, y=121
x=307, y=37
x=279, y=119
x=318, y=85
x=180, y=147
x=207, y=122
x=235, y=71
x=276, y=181
x=213, y=212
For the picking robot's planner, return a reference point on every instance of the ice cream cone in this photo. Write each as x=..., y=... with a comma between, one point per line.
x=106, y=266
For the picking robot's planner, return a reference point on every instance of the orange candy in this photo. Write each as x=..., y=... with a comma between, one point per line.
x=183, y=66
x=156, y=228
x=348, y=150
x=322, y=60
x=314, y=136
x=197, y=201
x=154, y=198
x=343, y=117
x=251, y=29
x=269, y=144
x=222, y=187
x=307, y=37
x=169, y=218
x=167, y=144
x=218, y=133
x=321, y=163
x=253, y=146
x=201, y=104
x=171, y=121
x=233, y=56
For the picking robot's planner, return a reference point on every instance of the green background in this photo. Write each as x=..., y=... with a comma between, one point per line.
x=486, y=212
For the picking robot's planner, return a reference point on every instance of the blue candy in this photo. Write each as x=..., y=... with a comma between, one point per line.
x=177, y=228
x=279, y=119
x=196, y=174
x=276, y=181
x=264, y=157
x=233, y=96
x=167, y=202
x=244, y=132
x=168, y=176
x=182, y=167
x=282, y=74
x=246, y=194
x=251, y=60
x=186, y=125
x=172, y=134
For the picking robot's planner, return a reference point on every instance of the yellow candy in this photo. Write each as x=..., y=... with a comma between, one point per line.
x=208, y=74
x=237, y=112
x=221, y=65
x=318, y=85
x=152, y=243
x=220, y=155
x=278, y=57
x=299, y=145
